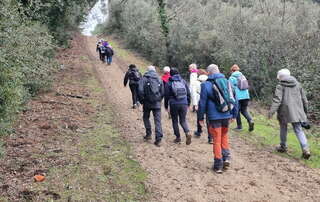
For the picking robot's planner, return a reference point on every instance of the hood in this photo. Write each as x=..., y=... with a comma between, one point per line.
x=289, y=81
x=236, y=74
x=176, y=77
x=215, y=76
x=151, y=74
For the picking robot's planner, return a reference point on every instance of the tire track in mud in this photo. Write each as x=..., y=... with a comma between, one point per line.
x=183, y=173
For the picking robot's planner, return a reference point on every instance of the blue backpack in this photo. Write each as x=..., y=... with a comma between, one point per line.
x=223, y=95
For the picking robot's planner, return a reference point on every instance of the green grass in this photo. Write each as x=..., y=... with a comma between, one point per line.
x=266, y=133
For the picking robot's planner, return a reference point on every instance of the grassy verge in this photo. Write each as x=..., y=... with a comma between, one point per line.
x=100, y=164
x=266, y=133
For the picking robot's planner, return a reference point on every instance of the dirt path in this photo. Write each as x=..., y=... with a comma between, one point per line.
x=182, y=173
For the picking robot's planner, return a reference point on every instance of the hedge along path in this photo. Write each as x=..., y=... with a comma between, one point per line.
x=183, y=173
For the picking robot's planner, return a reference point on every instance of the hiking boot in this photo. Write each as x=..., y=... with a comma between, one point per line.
x=147, y=137
x=177, y=140
x=188, y=139
x=306, y=154
x=197, y=134
x=251, y=126
x=281, y=149
x=226, y=164
x=210, y=141
x=218, y=170
x=134, y=106
x=237, y=129
x=157, y=143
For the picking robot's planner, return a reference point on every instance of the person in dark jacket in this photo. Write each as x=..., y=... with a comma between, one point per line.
x=151, y=92
x=291, y=104
x=99, y=50
x=109, y=54
x=179, y=104
x=218, y=121
x=133, y=76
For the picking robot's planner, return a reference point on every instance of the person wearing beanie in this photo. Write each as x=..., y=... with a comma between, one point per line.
x=242, y=95
x=133, y=76
x=291, y=104
x=177, y=95
x=218, y=120
x=150, y=94
x=193, y=69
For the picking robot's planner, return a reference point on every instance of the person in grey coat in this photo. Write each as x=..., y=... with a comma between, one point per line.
x=291, y=105
x=150, y=94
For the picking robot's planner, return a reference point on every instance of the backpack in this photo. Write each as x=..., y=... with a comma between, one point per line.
x=223, y=95
x=109, y=51
x=134, y=75
x=179, y=90
x=152, y=90
x=102, y=49
x=243, y=83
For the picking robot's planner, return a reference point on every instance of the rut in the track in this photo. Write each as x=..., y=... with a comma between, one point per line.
x=182, y=173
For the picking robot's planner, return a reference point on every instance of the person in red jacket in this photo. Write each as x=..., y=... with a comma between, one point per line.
x=166, y=75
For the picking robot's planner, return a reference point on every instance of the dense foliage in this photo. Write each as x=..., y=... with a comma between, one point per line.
x=27, y=39
x=261, y=36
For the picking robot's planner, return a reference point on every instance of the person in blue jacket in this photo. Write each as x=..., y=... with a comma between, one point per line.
x=242, y=96
x=218, y=121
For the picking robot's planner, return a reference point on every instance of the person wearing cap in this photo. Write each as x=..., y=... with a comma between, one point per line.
x=218, y=121
x=178, y=104
x=242, y=96
x=291, y=104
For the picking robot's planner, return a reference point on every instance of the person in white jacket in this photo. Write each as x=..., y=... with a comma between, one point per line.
x=194, y=85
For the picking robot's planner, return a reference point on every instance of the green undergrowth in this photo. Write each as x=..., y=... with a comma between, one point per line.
x=266, y=134
x=102, y=166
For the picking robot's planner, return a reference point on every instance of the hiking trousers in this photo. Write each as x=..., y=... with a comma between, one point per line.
x=243, y=109
x=134, y=93
x=103, y=57
x=221, y=151
x=157, y=122
x=200, y=130
x=179, y=115
x=297, y=130
x=109, y=59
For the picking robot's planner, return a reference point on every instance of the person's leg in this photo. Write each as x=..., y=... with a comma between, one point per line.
x=239, y=123
x=245, y=113
x=157, y=123
x=175, y=120
x=183, y=110
x=301, y=136
x=225, y=140
x=283, y=134
x=210, y=136
x=133, y=93
x=110, y=60
x=146, y=121
x=215, y=130
x=199, y=129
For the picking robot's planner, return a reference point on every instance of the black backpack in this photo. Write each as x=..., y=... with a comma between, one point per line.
x=134, y=75
x=152, y=90
x=179, y=90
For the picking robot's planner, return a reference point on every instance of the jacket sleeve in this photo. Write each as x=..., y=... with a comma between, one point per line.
x=203, y=102
x=277, y=99
x=126, y=78
x=141, y=90
x=304, y=100
x=166, y=95
x=188, y=93
x=233, y=82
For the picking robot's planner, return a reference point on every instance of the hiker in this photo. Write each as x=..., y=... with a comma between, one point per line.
x=133, y=76
x=241, y=87
x=218, y=103
x=109, y=54
x=291, y=105
x=177, y=95
x=103, y=51
x=202, y=78
x=166, y=75
x=98, y=49
x=193, y=86
x=150, y=94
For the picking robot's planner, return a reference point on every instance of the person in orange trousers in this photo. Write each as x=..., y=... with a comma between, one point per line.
x=218, y=119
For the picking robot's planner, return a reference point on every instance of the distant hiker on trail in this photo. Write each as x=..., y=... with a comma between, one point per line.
x=133, y=76
x=241, y=88
x=218, y=103
x=291, y=105
x=150, y=93
x=98, y=49
x=109, y=54
x=202, y=78
x=177, y=95
x=102, y=48
x=193, y=86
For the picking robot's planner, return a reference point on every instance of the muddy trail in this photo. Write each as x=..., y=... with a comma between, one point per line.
x=183, y=173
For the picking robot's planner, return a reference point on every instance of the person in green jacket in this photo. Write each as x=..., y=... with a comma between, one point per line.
x=291, y=105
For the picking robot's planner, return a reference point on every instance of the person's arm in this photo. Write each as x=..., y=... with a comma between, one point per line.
x=188, y=93
x=141, y=90
x=166, y=96
x=126, y=78
x=203, y=102
x=276, y=101
x=304, y=100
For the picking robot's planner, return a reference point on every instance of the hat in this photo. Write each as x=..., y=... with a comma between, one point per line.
x=213, y=69
x=283, y=73
x=151, y=68
x=166, y=69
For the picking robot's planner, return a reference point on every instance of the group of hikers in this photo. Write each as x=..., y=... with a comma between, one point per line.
x=217, y=101
x=105, y=51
